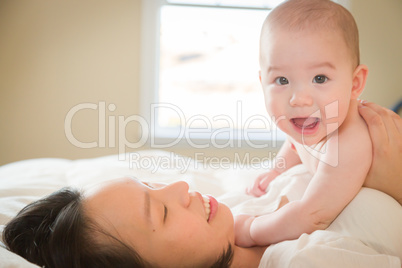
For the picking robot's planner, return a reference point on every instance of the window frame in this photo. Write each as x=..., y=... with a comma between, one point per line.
x=149, y=84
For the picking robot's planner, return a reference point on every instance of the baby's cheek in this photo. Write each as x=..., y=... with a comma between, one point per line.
x=267, y=100
x=331, y=110
x=274, y=109
x=336, y=111
x=282, y=124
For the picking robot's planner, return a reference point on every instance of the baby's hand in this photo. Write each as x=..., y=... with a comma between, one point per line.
x=260, y=185
x=242, y=225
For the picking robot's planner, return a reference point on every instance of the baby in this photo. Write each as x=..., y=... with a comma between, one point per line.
x=311, y=77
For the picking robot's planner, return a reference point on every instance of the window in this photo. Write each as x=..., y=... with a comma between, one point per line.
x=200, y=72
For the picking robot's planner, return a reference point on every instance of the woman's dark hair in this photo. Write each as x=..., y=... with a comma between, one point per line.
x=55, y=233
x=225, y=260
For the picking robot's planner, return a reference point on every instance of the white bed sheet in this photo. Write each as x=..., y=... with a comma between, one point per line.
x=367, y=234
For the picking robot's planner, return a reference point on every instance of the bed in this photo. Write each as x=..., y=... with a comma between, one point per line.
x=366, y=234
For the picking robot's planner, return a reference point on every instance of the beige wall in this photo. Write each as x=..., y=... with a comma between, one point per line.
x=55, y=55
x=380, y=29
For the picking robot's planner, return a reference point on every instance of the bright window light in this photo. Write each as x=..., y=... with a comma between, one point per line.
x=206, y=69
x=208, y=66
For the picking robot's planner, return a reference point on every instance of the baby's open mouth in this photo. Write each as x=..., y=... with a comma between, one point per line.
x=305, y=122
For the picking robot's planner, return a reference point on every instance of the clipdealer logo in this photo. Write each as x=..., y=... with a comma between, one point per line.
x=112, y=128
x=117, y=124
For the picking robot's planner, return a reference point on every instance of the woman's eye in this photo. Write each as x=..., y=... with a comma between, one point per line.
x=320, y=79
x=165, y=213
x=148, y=184
x=281, y=80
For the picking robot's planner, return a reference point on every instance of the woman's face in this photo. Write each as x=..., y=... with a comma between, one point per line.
x=167, y=226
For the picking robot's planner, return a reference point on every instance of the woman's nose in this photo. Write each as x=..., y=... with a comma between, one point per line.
x=301, y=97
x=178, y=192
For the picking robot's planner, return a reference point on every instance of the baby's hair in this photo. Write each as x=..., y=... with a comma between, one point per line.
x=296, y=15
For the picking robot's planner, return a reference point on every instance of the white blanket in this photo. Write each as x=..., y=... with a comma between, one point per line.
x=366, y=234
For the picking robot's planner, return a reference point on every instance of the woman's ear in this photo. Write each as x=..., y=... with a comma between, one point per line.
x=359, y=80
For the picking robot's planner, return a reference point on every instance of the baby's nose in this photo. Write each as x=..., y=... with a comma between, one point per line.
x=301, y=98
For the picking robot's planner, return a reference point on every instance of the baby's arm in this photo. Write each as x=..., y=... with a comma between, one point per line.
x=285, y=159
x=329, y=191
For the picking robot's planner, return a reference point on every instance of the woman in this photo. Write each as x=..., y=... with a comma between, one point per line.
x=385, y=129
x=167, y=226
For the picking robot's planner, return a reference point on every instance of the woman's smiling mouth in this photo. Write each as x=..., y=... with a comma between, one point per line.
x=207, y=206
x=211, y=207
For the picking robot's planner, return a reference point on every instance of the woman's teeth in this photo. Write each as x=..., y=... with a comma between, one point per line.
x=207, y=206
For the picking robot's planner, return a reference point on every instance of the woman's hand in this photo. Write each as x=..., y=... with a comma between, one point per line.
x=385, y=129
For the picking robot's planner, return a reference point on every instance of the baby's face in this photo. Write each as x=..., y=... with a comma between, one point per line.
x=307, y=81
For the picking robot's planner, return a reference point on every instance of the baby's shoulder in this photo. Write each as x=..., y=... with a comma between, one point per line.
x=354, y=141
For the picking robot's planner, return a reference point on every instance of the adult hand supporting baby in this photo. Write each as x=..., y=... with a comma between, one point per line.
x=385, y=129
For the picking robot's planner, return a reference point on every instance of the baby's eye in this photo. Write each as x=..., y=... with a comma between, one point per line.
x=281, y=80
x=320, y=79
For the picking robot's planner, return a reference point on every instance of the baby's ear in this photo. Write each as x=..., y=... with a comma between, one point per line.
x=359, y=80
